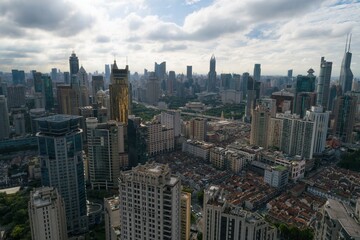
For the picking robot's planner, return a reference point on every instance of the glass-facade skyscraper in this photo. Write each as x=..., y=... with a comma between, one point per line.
x=211, y=84
x=346, y=75
x=61, y=159
x=323, y=86
x=74, y=64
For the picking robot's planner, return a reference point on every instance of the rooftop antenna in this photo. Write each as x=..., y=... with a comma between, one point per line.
x=347, y=37
x=350, y=42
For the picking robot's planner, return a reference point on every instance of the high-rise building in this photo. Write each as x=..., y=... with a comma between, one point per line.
x=159, y=138
x=18, y=77
x=290, y=73
x=253, y=93
x=304, y=101
x=211, y=83
x=107, y=73
x=106, y=152
x=171, y=82
x=321, y=121
x=4, y=119
x=150, y=203
x=54, y=74
x=16, y=96
x=323, y=86
x=189, y=72
x=244, y=84
x=152, y=89
x=61, y=158
x=67, y=77
x=74, y=64
x=346, y=75
x=47, y=214
x=119, y=94
x=304, y=84
x=48, y=95
x=112, y=218
x=344, y=111
x=259, y=126
x=97, y=84
x=19, y=124
x=338, y=221
x=171, y=119
x=185, y=215
x=71, y=97
x=82, y=77
x=160, y=70
x=223, y=220
x=198, y=129
x=257, y=72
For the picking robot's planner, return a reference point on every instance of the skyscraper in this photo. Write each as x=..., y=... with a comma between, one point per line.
x=211, y=84
x=4, y=118
x=61, y=160
x=107, y=73
x=97, y=84
x=160, y=70
x=150, y=203
x=344, y=110
x=321, y=121
x=189, y=72
x=16, y=96
x=244, y=84
x=119, y=94
x=290, y=73
x=259, y=126
x=47, y=214
x=18, y=77
x=105, y=152
x=257, y=72
x=346, y=75
x=54, y=74
x=198, y=129
x=323, y=86
x=152, y=89
x=171, y=82
x=304, y=84
x=47, y=92
x=74, y=64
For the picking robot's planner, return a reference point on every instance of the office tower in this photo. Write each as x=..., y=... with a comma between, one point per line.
x=171, y=119
x=290, y=73
x=346, y=75
x=47, y=214
x=189, y=72
x=244, y=83
x=18, y=77
x=304, y=101
x=82, y=77
x=321, y=121
x=344, y=110
x=284, y=101
x=16, y=96
x=222, y=220
x=211, y=83
x=19, y=124
x=137, y=136
x=107, y=73
x=112, y=218
x=34, y=114
x=47, y=92
x=257, y=72
x=237, y=82
x=152, y=89
x=185, y=209
x=160, y=70
x=253, y=93
x=335, y=91
x=268, y=103
x=106, y=152
x=198, y=129
x=323, y=86
x=304, y=84
x=62, y=167
x=227, y=81
x=259, y=126
x=150, y=203
x=119, y=94
x=54, y=74
x=4, y=119
x=74, y=64
x=3, y=88
x=275, y=133
x=38, y=83
x=67, y=77
x=171, y=82
x=97, y=85
x=338, y=221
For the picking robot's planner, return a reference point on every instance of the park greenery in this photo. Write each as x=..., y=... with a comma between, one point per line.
x=294, y=233
x=143, y=112
x=351, y=161
x=175, y=102
x=231, y=111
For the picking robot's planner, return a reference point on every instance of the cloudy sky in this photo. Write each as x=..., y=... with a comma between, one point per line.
x=279, y=34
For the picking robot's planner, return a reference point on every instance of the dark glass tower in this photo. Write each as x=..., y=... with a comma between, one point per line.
x=257, y=71
x=74, y=64
x=211, y=85
x=61, y=159
x=346, y=75
x=323, y=86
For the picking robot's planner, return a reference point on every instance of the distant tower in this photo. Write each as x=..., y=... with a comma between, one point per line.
x=119, y=94
x=344, y=110
x=4, y=119
x=346, y=75
x=160, y=70
x=62, y=166
x=323, y=87
x=152, y=89
x=97, y=84
x=244, y=84
x=304, y=84
x=211, y=85
x=290, y=73
x=259, y=126
x=257, y=72
x=54, y=74
x=321, y=121
x=47, y=214
x=107, y=73
x=189, y=72
x=198, y=129
x=74, y=64
x=171, y=82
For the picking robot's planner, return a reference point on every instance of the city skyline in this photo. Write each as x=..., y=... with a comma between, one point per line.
x=278, y=34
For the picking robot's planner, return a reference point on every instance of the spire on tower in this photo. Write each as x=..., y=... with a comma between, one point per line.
x=349, y=42
x=347, y=37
